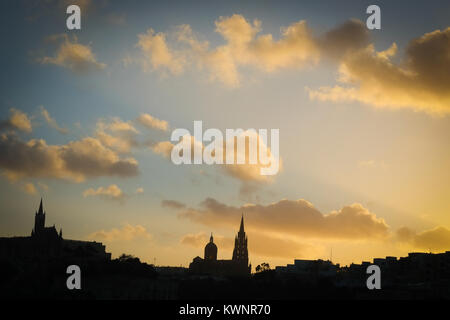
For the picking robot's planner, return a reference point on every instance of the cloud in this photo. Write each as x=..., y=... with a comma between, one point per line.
x=249, y=174
x=152, y=123
x=52, y=122
x=122, y=136
x=253, y=160
x=163, y=148
x=297, y=218
x=18, y=120
x=116, y=134
x=199, y=240
x=117, y=125
x=252, y=172
x=173, y=204
x=126, y=233
x=29, y=188
x=349, y=36
x=112, y=192
x=157, y=54
x=437, y=239
x=72, y=55
x=75, y=161
x=295, y=49
x=246, y=47
x=261, y=244
x=420, y=82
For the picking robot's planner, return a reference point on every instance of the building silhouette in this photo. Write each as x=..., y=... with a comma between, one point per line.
x=46, y=243
x=211, y=250
x=40, y=232
x=210, y=265
x=240, y=252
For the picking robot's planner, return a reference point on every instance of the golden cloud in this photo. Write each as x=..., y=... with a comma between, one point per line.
x=18, y=120
x=112, y=192
x=163, y=148
x=117, y=134
x=29, y=188
x=248, y=173
x=420, y=82
x=126, y=233
x=152, y=123
x=157, y=54
x=437, y=239
x=72, y=55
x=295, y=49
x=245, y=47
x=263, y=157
x=297, y=218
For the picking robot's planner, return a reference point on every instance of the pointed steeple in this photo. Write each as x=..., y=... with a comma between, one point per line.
x=240, y=252
x=211, y=238
x=41, y=208
x=39, y=219
x=241, y=229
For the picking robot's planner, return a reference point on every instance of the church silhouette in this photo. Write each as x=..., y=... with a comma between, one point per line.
x=210, y=265
x=46, y=243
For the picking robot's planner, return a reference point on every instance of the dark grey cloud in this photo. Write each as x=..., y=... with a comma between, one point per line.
x=76, y=161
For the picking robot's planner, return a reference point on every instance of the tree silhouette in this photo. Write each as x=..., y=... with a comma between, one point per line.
x=262, y=267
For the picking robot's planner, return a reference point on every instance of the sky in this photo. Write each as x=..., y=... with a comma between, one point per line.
x=86, y=118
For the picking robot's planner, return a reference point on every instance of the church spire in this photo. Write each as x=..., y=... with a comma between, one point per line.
x=41, y=208
x=39, y=220
x=241, y=229
x=240, y=252
x=211, y=238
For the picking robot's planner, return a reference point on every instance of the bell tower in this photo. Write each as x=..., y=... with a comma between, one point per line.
x=240, y=252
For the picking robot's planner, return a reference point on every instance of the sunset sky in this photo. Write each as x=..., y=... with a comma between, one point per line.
x=363, y=115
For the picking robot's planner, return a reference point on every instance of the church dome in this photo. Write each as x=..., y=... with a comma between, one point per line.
x=211, y=250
